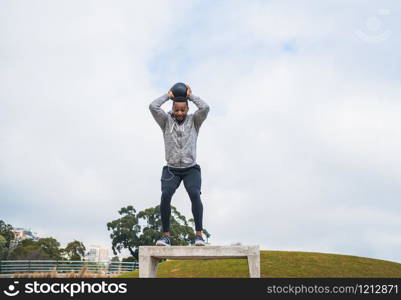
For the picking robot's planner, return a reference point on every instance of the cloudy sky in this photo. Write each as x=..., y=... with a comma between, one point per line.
x=301, y=148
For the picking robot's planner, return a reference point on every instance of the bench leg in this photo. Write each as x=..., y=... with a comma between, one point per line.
x=147, y=266
x=254, y=265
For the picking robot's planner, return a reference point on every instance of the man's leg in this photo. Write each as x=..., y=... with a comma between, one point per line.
x=169, y=184
x=192, y=183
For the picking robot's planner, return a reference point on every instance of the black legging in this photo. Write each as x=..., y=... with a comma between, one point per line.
x=170, y=181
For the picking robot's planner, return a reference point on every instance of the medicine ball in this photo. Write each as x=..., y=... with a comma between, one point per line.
x=180, y=92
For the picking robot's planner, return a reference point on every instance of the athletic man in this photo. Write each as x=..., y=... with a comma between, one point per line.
x=180, y=132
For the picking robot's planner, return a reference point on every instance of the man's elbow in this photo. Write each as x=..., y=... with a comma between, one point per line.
x=203, y=112
x=205, y=107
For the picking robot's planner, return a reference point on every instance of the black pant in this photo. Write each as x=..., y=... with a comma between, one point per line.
x=170, y=181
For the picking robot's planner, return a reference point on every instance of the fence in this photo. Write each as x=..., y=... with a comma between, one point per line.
x=64, y=266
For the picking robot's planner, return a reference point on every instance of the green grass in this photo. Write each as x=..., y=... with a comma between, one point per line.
x=280, y=264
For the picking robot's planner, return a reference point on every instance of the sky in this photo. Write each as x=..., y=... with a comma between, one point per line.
x=300, y=150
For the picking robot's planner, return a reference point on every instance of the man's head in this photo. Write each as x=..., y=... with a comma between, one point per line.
x=180, y=100
x=180, y=109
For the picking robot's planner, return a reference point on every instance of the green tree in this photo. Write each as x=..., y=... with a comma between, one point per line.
x=133, y=229
x=6, y=230
x=3, y=247
x=28, y=250
x=44, y=248
x=115, y=258
x=51, y=247
x=129, y=259
x=125, y=230
x=75, y=250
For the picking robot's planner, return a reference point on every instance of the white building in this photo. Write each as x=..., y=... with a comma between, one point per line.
x=96, y=253
x=103, y=254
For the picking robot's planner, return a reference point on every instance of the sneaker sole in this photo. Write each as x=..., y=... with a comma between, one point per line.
x=162, y=244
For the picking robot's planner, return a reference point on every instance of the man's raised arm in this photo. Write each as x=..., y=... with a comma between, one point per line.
x=202, y=111
x=157, y=112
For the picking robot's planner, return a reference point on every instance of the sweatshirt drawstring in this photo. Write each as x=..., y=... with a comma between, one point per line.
x=178, y=128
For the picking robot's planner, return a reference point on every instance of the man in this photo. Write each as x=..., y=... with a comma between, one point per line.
x=180, y=132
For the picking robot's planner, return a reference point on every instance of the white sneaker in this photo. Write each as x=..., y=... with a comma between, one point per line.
x=164, y=241
x=199, y=241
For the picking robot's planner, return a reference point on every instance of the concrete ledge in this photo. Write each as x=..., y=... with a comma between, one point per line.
x=150, y=255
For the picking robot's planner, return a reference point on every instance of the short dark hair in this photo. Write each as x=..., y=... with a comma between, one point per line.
x=186, y=101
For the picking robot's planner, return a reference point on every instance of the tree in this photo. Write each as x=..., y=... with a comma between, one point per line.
x=75, y=250
x=28, y=250
x=144, y=228
x=115, y=258
x=44, y=248
x=3, y=247
x=51, y=247
x=125, y=230
x=6, y=230
x=129, y=259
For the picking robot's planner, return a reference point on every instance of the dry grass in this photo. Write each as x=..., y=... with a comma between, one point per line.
x=83, y=273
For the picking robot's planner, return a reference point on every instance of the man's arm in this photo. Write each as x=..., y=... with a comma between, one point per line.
x=158, y=113
x=202, y=112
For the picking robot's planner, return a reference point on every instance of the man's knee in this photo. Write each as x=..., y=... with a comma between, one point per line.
x=194, y=192
x=167, y=193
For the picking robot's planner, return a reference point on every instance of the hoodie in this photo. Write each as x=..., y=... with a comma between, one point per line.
x=179, y=138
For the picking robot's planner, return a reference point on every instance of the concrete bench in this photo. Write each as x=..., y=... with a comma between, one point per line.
x=149, y=256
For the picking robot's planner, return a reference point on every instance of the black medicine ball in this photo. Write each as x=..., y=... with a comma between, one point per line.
x=180, y=92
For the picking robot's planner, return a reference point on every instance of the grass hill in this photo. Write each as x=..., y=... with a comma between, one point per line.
x=290, y=264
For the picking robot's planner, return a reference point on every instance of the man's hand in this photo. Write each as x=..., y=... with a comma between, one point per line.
x=170, y=94
x=188, y=90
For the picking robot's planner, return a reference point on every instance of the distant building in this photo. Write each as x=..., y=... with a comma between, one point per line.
x=96, y=253
x=103, y=254
x=23, y=234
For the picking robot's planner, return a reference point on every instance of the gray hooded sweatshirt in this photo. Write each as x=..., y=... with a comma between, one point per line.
x=179, y=138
